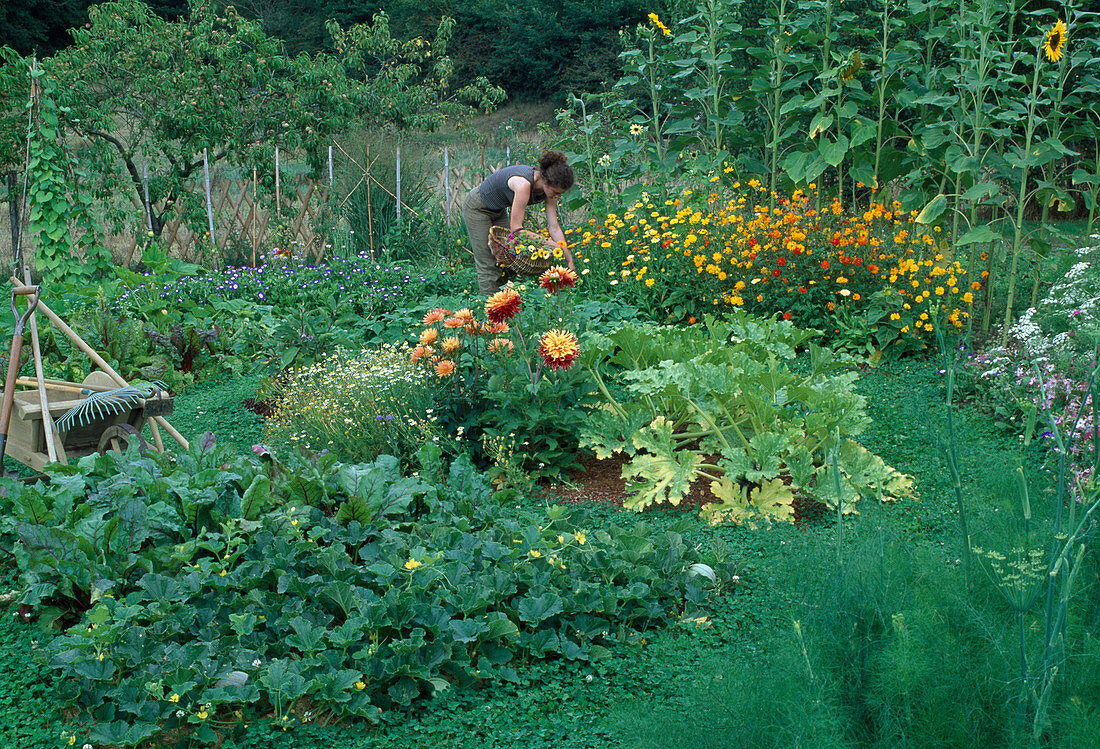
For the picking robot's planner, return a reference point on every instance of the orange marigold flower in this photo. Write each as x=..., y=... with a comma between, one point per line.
x=559, y=349
x=450, y=344
x=556, y=278
x=428, y=336
x=445, y=368
x=824, y=265
x=503, y=305
x=501, y=346
x=436, y=315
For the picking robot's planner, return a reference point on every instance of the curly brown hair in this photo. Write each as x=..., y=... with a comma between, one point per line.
x=555, y=170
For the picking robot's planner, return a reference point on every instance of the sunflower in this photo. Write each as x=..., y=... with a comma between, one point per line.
x=1055, y=41
x=558, y=349
x=853, y=66
x=503, y=305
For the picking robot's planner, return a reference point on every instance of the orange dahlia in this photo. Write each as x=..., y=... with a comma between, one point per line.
x=466, y=315
x=436, y=315
x=428, y=336
x=503, y=305
x=556, y=278
x=454, y=323
x=497, y=328
x=445, y=368
x=450, y=344
x=500, y=346
x=559, y=349
x=419, y=353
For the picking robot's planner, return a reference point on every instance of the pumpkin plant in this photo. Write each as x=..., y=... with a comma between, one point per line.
x=724, y=404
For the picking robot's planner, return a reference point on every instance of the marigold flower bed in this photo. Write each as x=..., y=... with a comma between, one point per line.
x=817, y=266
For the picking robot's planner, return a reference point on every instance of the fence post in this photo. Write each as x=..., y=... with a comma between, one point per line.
x=255, y=212
x=209, y=202
x=278, y=193
x=447, y=183
x=399, y=184
x=370, y=223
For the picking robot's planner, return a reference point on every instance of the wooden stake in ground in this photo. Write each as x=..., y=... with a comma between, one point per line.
x=399, y=184
x=278, y=188
x=47, y=418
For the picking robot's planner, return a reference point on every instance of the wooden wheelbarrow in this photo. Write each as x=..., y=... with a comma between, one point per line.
x=107, y=413
x=96, y=431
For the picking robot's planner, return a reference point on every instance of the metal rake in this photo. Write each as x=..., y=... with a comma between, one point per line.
x=101, y=404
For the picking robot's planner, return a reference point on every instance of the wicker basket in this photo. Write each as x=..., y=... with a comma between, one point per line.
x=504, y=243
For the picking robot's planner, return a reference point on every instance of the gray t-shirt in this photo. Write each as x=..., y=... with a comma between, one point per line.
x=495, y=193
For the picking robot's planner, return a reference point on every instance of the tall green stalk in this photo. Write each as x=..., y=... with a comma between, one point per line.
x=1025, y=169
x=774, y=117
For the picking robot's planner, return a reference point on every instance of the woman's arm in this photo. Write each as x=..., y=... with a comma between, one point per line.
x=555, y=229
x=521, y=190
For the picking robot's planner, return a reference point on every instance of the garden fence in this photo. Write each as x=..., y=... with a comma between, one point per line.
x=241, y=226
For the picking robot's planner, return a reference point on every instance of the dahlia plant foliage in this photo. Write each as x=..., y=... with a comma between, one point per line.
x=508, y=383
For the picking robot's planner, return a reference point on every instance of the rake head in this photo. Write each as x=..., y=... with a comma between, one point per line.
x=99, y=405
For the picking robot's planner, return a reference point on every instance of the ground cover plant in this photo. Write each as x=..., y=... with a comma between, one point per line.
x=195, y=593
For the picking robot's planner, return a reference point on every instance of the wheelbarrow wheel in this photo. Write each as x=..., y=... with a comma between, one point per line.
x=119, y=437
